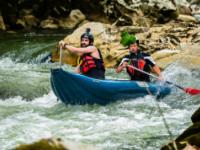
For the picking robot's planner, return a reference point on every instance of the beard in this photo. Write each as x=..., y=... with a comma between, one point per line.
x=84, y=45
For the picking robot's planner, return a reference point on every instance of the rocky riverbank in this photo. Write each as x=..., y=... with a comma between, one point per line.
x=176, y=41
x=67, y=14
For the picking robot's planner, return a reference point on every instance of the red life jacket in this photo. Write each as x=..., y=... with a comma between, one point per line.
x=140, y=63
x=89, y=62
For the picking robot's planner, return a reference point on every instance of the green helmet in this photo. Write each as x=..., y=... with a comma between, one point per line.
x=127, y=39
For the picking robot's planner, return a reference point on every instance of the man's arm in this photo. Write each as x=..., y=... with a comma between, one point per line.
x=89, y=49
x=153, y=65
x=121, y=67
x=156, y=69
x=79, y=51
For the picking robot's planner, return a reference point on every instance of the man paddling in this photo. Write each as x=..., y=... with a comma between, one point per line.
x=136, y=59
x=91, y=60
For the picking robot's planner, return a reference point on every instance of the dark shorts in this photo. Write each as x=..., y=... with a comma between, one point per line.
x=96, y=73
x=141, y=77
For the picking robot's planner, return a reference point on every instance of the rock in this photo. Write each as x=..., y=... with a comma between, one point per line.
x=170, y=146
x=184, y=10
x=188, y=55
x=196, y=11
x=43, y=144
x=144, y=22
x=186, y=18
x=165, y=57
x=75, y=18
x=190, y=136
x=192, y=130
x=133, y=29
x=2, y=25
x=55, y=144
x=21, y=23
x=196, y=116
x=31, y=21
x=27, y=22
x=195, y=2
x=193, y=141
x=191, y=133
x=98, y=30
x=49, y=23
x=134, y=11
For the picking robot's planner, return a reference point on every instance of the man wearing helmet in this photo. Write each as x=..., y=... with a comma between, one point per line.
x=138, y=59
x=91, y=59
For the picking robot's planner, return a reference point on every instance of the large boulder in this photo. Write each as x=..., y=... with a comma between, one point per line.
x=188, y=55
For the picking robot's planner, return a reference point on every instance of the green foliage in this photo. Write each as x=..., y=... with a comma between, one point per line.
x=127, y=39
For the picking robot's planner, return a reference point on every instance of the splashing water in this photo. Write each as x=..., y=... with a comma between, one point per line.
x=30, y=111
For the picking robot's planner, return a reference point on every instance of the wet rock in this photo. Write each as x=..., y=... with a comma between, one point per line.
x=193, y=141
x=190, y=136
x=55, y=144
x=192, y=130
x=196, y=116
x=43, y=144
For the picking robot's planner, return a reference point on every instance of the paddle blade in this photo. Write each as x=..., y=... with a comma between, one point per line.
x=192, y=91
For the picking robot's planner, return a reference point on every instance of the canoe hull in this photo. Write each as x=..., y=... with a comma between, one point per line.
x=77, y=89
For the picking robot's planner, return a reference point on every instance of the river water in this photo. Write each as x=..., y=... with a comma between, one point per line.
x=30, y=111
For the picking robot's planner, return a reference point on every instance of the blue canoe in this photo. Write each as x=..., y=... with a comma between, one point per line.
x=77, y=89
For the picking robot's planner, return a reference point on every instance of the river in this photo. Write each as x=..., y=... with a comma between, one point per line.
x=30, y=111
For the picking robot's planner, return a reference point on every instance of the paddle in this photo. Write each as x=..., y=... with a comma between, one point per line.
x=188, y=90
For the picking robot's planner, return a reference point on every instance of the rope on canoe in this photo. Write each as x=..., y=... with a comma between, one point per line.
x=163, y=118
